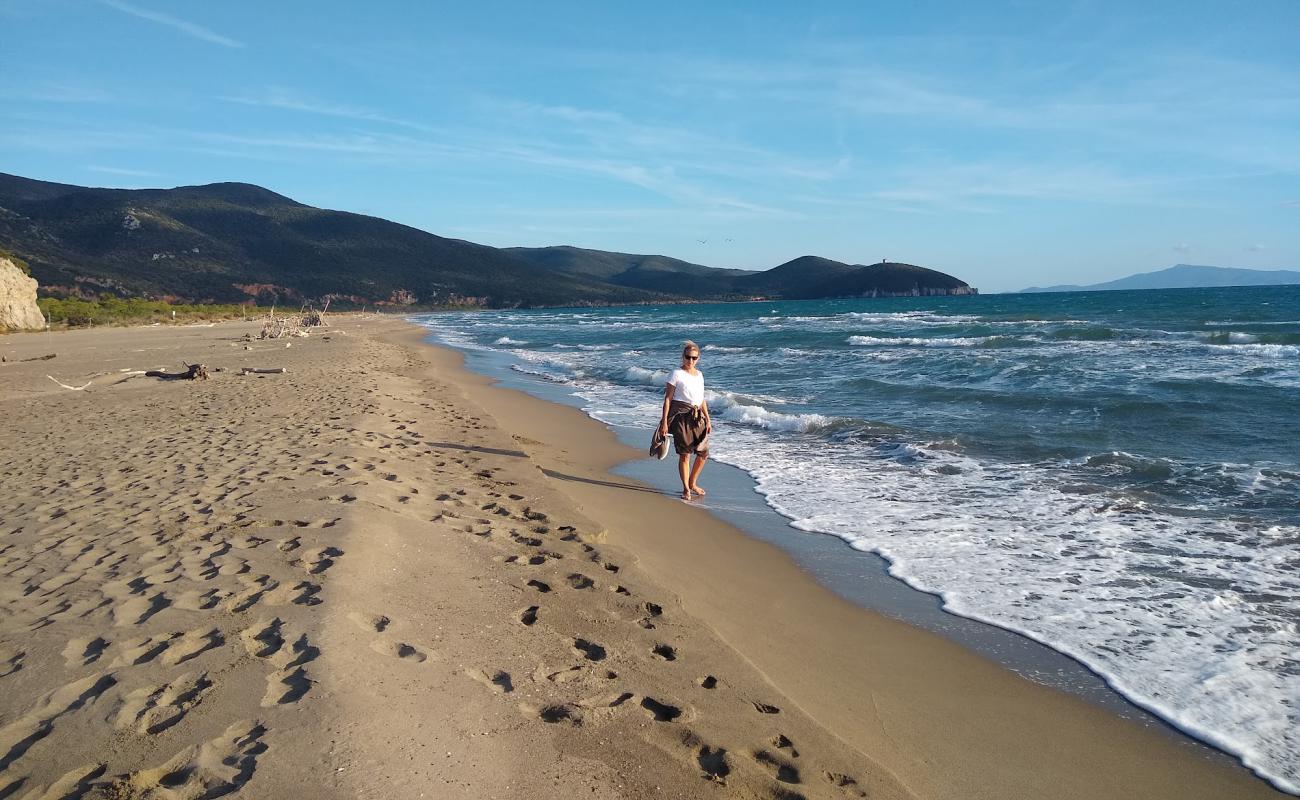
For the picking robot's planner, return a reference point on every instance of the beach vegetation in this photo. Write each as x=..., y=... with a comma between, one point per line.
x=23, y=266
x=108, y=309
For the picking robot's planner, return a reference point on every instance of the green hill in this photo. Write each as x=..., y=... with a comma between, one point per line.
x=653, y=273
x=235, y=242
x=810, y=277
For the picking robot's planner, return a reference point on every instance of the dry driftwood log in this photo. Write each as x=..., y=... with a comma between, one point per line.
x=4, y=359
x=262, y=370
x=194, y=372
x=81, y=388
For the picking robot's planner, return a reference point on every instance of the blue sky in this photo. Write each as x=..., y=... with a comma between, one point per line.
x=1009, y=144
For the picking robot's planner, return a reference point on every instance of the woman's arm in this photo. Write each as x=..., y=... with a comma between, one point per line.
x=708, y=420
x=668, y=401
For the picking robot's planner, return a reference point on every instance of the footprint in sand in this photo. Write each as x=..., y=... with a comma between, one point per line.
x=194, y=600
x=212, y=769
x=496, y=680
x=714, y=763
x=156, y=708
x=782, y=770
x=191, y=644
x=142, y=650
x=302, y=651
x=80, y=652
x=319, y=559
x=400, y=650
x=263, y=638
x=660, y=711
x=842, y=781
x=139, y=608
x=300, y=594
x=781, y=742
x=11, y=660
x=565, y=675
x=286, y=686
x=566, y=713
x=370, y=623
x=248, y=542
x=20, y=734
x=579, y=581
x=232, y=566
x=74, y=783
x=665, y=651
x=254, y=589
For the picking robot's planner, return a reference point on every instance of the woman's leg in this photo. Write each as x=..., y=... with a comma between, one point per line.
x=682, y=459
x=700, y=458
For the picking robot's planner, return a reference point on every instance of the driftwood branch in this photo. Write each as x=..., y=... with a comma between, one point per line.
x=25, y=360
x=262, y=370
x=194, y=372
x=66, y=386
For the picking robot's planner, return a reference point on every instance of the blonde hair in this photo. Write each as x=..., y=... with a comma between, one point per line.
x=688, y=346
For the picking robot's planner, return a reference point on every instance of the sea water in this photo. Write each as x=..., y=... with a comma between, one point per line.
x=1114, y=474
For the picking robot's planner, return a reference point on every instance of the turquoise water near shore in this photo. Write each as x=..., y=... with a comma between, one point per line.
x=1114, y=474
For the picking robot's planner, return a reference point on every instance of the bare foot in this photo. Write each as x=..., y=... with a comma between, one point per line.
x=698, y=491
x=686, y=494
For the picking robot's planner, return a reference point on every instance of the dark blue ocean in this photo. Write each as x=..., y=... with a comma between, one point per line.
x=1114, y=474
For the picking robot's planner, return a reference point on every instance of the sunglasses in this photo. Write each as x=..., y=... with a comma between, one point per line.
x=691, y=358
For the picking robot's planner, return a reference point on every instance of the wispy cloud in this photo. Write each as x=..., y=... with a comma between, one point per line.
x=58, y=93
x=975, y=187
x=685, y=166
x=184, y=26
x=1182, y=247
x=135, y=173
x=288, y=100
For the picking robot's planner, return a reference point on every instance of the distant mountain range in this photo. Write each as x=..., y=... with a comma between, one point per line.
x=235, y=242
x=1185, y=276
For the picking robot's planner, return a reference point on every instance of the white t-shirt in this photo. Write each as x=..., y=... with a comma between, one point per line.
x=687, y=388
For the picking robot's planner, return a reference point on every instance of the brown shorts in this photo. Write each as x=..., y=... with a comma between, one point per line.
x=689, y=428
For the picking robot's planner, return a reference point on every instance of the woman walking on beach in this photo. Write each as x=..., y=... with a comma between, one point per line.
x=686, y=417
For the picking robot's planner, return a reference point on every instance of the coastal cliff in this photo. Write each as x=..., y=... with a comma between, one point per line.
x=18, y=309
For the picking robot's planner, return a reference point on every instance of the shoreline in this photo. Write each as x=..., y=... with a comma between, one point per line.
x=861, y=577
x=618, y=459
x=377, y=574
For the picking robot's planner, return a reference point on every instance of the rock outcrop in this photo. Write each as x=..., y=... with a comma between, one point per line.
x=18, y=309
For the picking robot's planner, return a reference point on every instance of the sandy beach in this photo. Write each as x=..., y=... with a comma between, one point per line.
x=377, y=575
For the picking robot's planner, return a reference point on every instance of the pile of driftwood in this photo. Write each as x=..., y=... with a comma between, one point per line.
x=294, y=325
x=193, y=372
